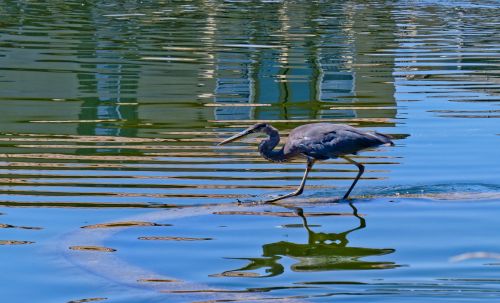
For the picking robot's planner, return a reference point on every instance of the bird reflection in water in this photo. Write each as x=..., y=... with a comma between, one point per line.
x=322, y=252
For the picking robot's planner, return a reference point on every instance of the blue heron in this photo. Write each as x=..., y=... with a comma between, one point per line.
x=315, y=141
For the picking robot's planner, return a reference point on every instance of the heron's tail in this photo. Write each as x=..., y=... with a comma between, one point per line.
x=386, y=139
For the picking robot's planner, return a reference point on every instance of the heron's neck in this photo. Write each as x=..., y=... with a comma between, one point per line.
x=266, y=147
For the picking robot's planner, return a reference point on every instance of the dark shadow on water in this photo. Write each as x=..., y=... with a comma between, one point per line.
x=322, y=252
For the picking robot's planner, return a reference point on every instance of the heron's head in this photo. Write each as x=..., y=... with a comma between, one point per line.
x=259, y=127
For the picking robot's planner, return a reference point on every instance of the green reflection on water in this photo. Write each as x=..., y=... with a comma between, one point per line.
x=322, y=252
x=108, y=72
x=302, y=65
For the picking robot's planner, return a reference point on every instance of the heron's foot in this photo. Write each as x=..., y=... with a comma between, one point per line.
x=271, y=201
x=292, y=194
x=345, y=197
x=268, y=201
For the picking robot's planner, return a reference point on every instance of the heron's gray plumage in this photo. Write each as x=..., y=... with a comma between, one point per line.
x=316, y=141
x=323, y=141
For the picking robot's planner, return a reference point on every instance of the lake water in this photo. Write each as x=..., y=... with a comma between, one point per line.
x=112, y=187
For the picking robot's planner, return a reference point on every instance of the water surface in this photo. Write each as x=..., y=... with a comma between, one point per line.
x=112, y=187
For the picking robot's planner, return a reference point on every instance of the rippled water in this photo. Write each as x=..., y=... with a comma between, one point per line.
x=112, y=187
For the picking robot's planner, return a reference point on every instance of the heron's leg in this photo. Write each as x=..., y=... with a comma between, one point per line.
x=360, y=172
x=310, y=163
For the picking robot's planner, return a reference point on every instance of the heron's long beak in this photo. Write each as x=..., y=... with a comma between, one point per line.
x=237, y=136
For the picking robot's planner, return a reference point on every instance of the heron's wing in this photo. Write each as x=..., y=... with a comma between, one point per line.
x=327, y=140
